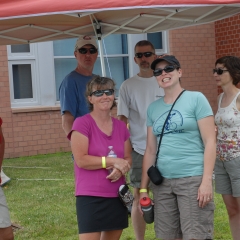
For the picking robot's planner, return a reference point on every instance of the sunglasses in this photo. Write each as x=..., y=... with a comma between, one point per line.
x=100, y=93
x=219, y=71
x=146, y=54
x=85, y=50
x=167, y=69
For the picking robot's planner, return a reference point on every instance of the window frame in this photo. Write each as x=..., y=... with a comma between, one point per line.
x=34, y=101
x=22, y=55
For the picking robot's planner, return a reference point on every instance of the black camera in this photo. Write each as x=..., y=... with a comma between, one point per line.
x=155, y=175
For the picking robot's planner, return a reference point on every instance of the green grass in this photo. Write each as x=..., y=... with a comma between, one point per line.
x=45, y=208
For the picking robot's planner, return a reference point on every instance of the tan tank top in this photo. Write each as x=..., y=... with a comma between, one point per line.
x=227, y=120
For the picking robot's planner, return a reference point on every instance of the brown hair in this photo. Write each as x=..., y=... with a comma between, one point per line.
x=144, y=43
x=232, y=64
x=100, y=83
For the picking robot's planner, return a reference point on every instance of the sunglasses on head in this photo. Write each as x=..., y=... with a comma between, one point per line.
x=219, y=71
x=100, y=93
x=85, y=50
x=167, y=69
x=145, y=54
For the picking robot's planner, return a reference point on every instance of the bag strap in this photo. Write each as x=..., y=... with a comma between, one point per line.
x=160, y=140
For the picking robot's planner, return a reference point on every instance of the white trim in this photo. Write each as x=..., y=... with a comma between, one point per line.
x=46, y=74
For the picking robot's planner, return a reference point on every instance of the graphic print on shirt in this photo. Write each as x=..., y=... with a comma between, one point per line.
x=173, y=124
x=228, y=141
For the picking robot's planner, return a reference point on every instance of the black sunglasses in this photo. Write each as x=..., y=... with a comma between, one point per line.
x=167, y=69
x=85, y=50
x=146, y=54
x=100, y=93
x=219, y=71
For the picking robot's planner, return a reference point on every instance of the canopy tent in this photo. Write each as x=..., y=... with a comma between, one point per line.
x=29, y=21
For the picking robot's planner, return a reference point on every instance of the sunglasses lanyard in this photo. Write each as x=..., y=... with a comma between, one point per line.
x=160, y=140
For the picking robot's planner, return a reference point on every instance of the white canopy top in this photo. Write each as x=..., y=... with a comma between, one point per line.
x=28, y=21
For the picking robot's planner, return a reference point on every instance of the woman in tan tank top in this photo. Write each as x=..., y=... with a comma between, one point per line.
x=227, y=120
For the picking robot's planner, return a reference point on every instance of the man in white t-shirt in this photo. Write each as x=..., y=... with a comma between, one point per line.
x=135, y=95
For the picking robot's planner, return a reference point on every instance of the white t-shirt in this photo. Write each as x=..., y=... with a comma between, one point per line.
x=135, y=95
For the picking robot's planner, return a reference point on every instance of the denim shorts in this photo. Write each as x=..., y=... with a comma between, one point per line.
x=176, y=210
x=227, y=177
x=4, y=213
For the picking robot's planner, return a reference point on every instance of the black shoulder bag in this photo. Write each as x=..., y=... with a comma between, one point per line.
x=153, y=173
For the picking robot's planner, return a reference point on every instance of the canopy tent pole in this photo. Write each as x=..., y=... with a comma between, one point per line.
x=98, y=34
x=101, y=57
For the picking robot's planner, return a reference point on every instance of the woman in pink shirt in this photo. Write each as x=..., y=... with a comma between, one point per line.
x=100, y=213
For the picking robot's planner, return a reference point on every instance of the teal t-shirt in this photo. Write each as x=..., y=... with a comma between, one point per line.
x=182, y=149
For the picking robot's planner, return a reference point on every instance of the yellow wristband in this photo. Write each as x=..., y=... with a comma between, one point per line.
x=103, y=162
x=143, y=190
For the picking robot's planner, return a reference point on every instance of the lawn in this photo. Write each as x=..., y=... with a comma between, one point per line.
x=41, y=200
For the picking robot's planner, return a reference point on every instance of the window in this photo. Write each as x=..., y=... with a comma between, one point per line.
x=24, y=48
x=156, y=39
x=22, y=73
x=22, y=81
x=23, y=89
x=115, y=49
x=31, y=75
x=37, y=70
x=159, y=41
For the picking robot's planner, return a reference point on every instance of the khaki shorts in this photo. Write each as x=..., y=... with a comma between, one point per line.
x=136, y=170
x=4, y=213
x=176, y=210
x=227, y=177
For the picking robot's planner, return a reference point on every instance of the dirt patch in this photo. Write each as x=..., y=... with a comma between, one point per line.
x=16, y=227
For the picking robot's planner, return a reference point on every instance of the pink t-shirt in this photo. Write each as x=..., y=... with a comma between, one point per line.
x=94, y=182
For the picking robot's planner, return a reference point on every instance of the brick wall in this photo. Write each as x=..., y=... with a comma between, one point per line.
x=5, y=107
x=227, y=32
x=28, y=133
x=195, y=49
x=37, y=133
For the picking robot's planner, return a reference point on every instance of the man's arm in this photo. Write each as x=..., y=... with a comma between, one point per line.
x=67, y=122
x=123, y=118
x=2, y=147
x=123, y=104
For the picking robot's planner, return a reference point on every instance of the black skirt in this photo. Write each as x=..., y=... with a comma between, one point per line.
x=97, y=214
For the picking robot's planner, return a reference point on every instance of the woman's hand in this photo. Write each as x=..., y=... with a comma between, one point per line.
x=122, y=165
x=205, y=193
x=114, y=175
x=142, y=195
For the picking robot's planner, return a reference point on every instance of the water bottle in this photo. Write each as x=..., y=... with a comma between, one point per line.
x=147, y=208
x=111, y=153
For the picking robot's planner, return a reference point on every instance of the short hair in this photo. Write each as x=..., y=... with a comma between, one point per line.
x=100, y=83
x=144, y=43
x=232, y=64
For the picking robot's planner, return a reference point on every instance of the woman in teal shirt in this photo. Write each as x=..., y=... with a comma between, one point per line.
x=183, y=203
